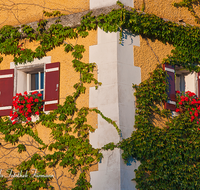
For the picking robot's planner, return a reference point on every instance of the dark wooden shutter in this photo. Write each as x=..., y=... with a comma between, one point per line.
x=198, y=84
x=6, y=91
x=52, y=79
x=171, y=103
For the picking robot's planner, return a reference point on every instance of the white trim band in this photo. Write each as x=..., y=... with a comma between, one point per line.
x=52, y=69
x=51, y=102
x=171, y=102
x=170, y=70
x=6, y=76
x=6, y=108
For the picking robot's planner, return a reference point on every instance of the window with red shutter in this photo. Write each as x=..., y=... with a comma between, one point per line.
x=181, y=80
x=40, y=75
x=52, y=78
x=171, y=103
x=6, y=91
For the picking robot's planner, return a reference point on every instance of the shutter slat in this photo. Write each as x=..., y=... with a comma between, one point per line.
x=6, y=91
x=171, y=93
x=52, y=80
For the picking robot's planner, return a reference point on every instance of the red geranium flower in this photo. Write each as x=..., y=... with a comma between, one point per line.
x=29, y=119
x=34, y=92
x=14, y=122
x=186, y=99
x=37, y=112
x=39, y=95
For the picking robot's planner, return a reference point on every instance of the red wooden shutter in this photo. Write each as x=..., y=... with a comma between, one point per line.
x=171, y=103
x=198, y=84
x=6, y=91
x=52, y=79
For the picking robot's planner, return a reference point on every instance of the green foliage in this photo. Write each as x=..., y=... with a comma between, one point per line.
x=169, y=156
x=189, y=5
x=54, y=14
x=109, y=146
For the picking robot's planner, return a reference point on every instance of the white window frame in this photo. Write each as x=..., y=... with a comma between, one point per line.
x=29, y=91
x=188, y=81
x=21, y=74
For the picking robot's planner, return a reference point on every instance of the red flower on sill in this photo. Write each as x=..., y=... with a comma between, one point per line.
x=190, y=104
x=14, y=122
x=192, y=118
x=39, y=95
x=25, y=106
x=186, y=99
x=37, y=113
x=29, y=118
x=34, y=92
x=178, y=92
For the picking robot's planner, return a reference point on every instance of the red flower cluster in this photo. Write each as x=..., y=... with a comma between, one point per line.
x=25, y=106
x=191, y=104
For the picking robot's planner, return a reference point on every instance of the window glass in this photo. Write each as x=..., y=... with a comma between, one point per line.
x=180, y=83
x=42, y=92
x=35, y=81
x=42, y=80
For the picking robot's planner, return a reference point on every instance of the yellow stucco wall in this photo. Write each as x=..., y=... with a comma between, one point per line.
x=68, y=77
x=15, y=12
x=150, y=53
x=165, y=9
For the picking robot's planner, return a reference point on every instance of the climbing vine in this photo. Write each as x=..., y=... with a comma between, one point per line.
x=169, y=155
x=189, y=4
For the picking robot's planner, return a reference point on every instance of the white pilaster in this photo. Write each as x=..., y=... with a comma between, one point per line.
x=94, y=4
x=115, y=99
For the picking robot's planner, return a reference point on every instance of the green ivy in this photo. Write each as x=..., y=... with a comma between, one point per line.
x=189, y=5
x=169, y=156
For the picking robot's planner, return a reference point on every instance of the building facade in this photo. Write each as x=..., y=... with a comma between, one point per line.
x=119, y=65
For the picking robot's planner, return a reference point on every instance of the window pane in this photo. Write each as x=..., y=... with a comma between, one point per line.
x=42, y=95
x=34, y=81
x=42, y=80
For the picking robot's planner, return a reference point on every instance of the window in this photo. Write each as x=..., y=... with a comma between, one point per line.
x=40, y=75
x=35, y=82
x=185, y=80
x=182, y=80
